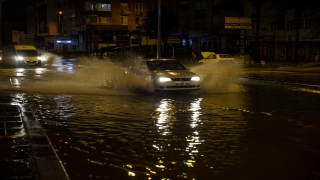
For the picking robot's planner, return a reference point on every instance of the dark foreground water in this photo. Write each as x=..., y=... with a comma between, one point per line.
x=105, y=125
x=261, y=132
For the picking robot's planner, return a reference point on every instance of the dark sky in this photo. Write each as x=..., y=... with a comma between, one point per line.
x=14, y=9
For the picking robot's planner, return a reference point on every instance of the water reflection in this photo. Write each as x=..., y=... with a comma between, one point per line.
x=168, y=122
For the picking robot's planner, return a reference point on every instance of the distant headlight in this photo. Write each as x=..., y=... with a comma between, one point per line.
x=164, y=79
x=20, y=58
x=195, y=78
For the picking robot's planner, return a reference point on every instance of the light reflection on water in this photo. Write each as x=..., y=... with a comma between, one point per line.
x=101, y=129
x=141, y=136
x=225, y=136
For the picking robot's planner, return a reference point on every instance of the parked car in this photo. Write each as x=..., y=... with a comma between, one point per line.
x=167, y=74
x=230, y=51
x=213, y=57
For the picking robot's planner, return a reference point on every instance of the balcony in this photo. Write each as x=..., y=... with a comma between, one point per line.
x=139, y=13
x=125, y=12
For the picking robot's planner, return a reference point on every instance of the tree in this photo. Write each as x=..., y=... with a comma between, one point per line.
x=169, y=23
x=257, y=4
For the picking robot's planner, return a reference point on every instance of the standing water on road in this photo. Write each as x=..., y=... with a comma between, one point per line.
x=232, y=129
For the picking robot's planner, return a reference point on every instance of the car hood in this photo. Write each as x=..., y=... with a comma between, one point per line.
x=174, y=74
x=206, y=54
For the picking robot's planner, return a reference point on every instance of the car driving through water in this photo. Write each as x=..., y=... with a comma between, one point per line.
x=167, y=74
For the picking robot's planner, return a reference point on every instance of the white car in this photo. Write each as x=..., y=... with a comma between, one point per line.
x=213, y=57
x=167, y=74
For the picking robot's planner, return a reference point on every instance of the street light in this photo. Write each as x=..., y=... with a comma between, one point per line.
x=159, y=30
x=59, y=23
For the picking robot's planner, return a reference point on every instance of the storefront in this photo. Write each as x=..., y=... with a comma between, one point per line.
x=267, y=51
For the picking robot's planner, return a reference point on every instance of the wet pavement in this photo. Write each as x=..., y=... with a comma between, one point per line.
x=28, y=154
x=307, y=74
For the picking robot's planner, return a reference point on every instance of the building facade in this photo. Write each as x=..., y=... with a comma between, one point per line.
x=202, y=23
x=278, y=35
x=106, y=23
x=90, y=25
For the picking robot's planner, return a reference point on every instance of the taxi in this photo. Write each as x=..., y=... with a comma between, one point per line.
x=212, y=57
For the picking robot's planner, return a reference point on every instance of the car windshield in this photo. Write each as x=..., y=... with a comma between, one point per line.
x=27, y=53
x=165, y=65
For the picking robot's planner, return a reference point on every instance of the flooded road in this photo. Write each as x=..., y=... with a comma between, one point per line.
x=105, y=125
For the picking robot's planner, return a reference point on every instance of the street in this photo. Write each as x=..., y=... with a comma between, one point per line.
x=105, y=125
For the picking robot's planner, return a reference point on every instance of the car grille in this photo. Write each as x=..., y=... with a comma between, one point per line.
x=179, y=87
x=180, y=79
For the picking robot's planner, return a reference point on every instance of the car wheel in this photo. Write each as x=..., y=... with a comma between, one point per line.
x=39, y=63
x=20, y=64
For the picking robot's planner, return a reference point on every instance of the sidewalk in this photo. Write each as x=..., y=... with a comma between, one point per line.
x=26, y=152
x=307, y=73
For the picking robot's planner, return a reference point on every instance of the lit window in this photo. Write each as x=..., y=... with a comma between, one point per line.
x=103, y=7
x=124, y=6
x=106, y=7
x=91, y=19
x=104, y=20
x=124, y=20
x=139, y=7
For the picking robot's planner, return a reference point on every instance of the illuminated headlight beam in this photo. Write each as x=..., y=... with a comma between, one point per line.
x=164, y=79
x=195, y=78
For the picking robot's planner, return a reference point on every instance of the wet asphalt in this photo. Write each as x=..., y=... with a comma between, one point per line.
x=26, y=151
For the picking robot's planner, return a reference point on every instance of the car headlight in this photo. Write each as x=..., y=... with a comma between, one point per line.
x=164, y=79
x=20, y=58
x=195, y=78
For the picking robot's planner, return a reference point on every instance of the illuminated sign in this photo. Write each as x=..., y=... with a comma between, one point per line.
x=63, y=40
x=237, y=23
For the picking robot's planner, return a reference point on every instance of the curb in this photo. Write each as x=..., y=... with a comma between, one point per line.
x=27, y=153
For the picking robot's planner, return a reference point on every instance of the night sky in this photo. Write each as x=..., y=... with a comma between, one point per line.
x=13, y=10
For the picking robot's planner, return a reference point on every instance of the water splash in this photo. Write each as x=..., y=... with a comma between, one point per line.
x=88, y=75
x=220, y=77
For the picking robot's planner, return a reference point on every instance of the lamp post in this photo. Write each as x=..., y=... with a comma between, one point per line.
x=159, y=30
x=59, y=23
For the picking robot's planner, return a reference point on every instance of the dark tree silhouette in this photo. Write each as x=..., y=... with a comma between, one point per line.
x=257, y=4
x=169, y=23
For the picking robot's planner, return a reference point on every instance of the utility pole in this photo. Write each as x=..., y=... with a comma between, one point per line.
x=159, y=30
